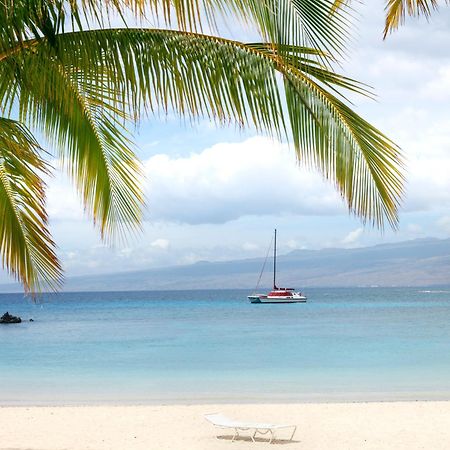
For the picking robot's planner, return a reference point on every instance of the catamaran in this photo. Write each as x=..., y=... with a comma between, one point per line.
x=277, y=294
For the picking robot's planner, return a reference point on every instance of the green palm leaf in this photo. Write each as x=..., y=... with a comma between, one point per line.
x=70, y=106
x=27, y=249
x=103, y=73
x=297, y=22
x=364, y=165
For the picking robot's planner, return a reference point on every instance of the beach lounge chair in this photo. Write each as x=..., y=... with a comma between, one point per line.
x=221, y=421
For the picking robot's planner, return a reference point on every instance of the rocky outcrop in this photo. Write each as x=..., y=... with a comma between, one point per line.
x=8, y=318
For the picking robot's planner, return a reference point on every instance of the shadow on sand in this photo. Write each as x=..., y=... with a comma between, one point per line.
x=279, y=441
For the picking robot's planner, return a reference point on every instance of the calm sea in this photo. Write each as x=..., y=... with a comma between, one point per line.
x=214, y=346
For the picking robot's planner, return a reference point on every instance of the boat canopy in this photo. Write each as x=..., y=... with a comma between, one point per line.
x=281, y=293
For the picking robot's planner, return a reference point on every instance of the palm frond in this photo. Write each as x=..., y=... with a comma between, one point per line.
x=104, y=76
x=298, y=22
x=338, y=4
x=71, y=108
x=365, y=166
x=27, y=249
x=396, y=11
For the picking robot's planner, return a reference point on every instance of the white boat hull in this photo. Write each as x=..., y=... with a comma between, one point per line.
x=296, y=298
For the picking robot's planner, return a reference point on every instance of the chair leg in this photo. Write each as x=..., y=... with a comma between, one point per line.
x=272, y=436
x=254, y=434
x=292, y=435
x=236, y=434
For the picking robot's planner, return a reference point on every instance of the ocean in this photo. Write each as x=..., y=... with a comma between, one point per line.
x=203, y=346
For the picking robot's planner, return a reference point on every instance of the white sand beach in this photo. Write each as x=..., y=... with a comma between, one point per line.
x=390, y=425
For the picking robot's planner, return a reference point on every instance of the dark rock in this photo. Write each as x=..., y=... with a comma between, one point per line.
x=8, y=318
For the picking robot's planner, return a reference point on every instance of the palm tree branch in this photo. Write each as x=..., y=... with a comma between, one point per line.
x=299, y=22
x=107, y=171
x=396, y=11
x=228, y=80
x=370, y=175
x=28, y=251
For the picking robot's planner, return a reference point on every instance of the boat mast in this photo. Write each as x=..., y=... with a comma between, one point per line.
x=275, y=259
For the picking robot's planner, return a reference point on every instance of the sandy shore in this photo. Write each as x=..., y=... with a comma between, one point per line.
x=397, y=425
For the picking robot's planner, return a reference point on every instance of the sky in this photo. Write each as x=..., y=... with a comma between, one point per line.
x=217, y=193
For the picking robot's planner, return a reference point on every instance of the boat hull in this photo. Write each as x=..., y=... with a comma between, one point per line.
x=275, y=300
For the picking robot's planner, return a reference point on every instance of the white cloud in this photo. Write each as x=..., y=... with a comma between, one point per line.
x=353, y=236
x=292, y=244
x=227, y=181
x=126, y=252
x=70, y=255
x=255, y=178
x=160, y=243
x=414, y=229
x=249, y=246
x=428, y=186
x=62, y=200
x=260, y=177
x=437, y=87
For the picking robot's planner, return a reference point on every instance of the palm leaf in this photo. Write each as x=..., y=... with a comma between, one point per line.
x=124, y=71
x=73, y=112
x=364, y=165
x=298, y=22
x=27, y=249
x=397, y=10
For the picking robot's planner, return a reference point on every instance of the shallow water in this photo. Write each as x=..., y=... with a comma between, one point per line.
x=197, y=346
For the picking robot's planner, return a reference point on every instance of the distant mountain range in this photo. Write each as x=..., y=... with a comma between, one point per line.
x=420, y=262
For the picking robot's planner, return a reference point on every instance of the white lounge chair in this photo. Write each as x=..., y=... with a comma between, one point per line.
x=221, y=421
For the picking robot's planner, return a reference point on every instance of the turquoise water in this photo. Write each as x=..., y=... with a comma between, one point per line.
x=201, y=346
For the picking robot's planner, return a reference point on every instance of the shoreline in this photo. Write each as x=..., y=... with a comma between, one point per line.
x=113, y=404
x=411, y=425
x=193, y=400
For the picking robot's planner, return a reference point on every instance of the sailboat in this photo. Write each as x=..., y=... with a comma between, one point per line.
x=277, y=294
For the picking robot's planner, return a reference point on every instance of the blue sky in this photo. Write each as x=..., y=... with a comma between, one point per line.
x=217, y=193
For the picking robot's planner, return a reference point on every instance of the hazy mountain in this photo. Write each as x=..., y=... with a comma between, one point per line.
x=421, y=262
